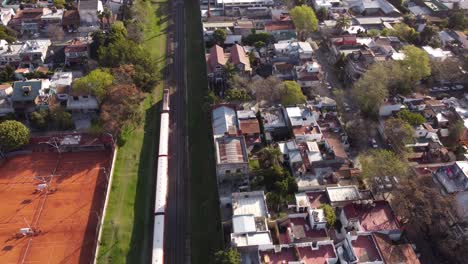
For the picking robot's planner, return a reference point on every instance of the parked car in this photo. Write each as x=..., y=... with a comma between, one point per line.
x=457, y=87
x=373, y=143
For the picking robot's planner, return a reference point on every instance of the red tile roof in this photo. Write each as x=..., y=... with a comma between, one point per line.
x=249, y=126
x=284, y=256
x=216, y=56
x=279, y=25
x=365, y=249
x=319, y=256
x=379, y=217
x=395, y=254
x=238, y=56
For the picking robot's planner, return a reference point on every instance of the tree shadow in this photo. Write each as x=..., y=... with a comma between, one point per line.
x=142, y=232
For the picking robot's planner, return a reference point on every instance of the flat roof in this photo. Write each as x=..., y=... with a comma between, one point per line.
x=246, y=203
x=343, y=193
x=376, y=217
x=365, y=249
x=252, y=239
x=243, y=224
x=309, y=255
x=231, y=150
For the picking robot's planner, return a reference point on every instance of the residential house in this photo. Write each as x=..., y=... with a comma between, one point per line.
x=304, y=253
x=88, y=10
x=244, y=27
x=437, y=54
x=283, y=70
x=281, y=30
x=453, y=178
x=393, y=253
x=303, y=227
x=388, y=108
x=60, y=84
x=71, y=20
x=359, y=248
x=327, y=4
x=215, y=62
x=9, y=53
x=232, y=161
x=6, y=14
x=370, y=217
x=224, y=121
x=248, y=126
x=76, y=53
x=52, y=16
x=79, y=102
x=27, y=21
x=373, y=7
x=292, y=155
x=341, y=196
x=294, y=49
x=240, y=60
x=29, y=95
x=274, y=123
x=33, y=52
x=303, y=122
x=308, y=75
x=243, y=3
x=249, y=220
x=6, y=106
x=376, y=22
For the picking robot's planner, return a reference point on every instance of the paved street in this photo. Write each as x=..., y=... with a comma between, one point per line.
x=177, y=216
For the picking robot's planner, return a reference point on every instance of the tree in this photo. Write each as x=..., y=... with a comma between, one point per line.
x=62, y=119
x=7, y=74
x=380, y=163
x=396, y=3
x=422, y=208
x=447, y=70
x=120, y=108
x=304, y=20
x=458, y=20
x=427, y=34
x=13, y=135
x=322, y=14
x=330, y=214
x=256, y=37
x=269, y=157
x=342, y=22
x=373, y=32
x=266, y=90
x=230, y=256
x=398, y=134
x=95, y=83
x=370, y=90
x=219, y=36
x=7, y=34
x=229, y=70
x=404, y=32
x=291, y=93
x=40, y=118
x=414, y=119
x=259, y=44
x=416, y=64
x=238, y=95
x=456, y=130
x=60, y=4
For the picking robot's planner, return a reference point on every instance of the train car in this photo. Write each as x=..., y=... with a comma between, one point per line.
x=165, y=105
x=161, y=189
x=164, y=135
x=158, y=240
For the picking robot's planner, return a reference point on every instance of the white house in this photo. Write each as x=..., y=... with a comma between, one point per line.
x=437, y=54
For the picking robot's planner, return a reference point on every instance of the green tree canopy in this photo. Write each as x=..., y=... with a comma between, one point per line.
x=416, y=64
x=371, y=90
x=59, y=4
x=7, y=34
x=304, y=20
x=291, y=93
x=239, y=95
x=413, y=119
x=322, y=14
x=381, y=163
x=219, y=36
x=230, y=256
x=458, y=20
x=96, y=83
x=256, y=37
x=398, y=133
x=13, y=135
x=342, y=22
x=330, y=214
x=404, y=32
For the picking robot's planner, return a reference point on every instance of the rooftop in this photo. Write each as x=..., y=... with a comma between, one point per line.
x=454, y=178
x=395, y=254
x=373, y=217
x=304, y=253
x=252, y=203
x=343, y=193
x=224, y=120
x=299, y=231
x=321, y=255
x=231, y=150
x=278, y=255
x=26, y=90
x=273, y=117
x=312, y=199
x=365, y=249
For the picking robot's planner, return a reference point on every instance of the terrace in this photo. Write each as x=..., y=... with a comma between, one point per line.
x=321, y=255
x=312, y=199
x=377, y=216
x=365, y=249
x=298, y=230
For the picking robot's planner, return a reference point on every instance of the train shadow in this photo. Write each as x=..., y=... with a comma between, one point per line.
x=142, y=233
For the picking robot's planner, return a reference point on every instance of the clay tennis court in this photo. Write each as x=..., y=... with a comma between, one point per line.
x=64, y=218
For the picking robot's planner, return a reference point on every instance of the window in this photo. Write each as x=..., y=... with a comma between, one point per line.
x=228, y=171
x=238, y=171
